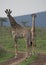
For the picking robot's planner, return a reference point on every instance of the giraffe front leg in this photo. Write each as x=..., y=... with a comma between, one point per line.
x=15, y=45
x=33, y=47
x=16, y=49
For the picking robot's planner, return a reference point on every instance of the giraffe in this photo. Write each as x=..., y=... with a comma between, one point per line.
x=33, y=34
x=19, y=32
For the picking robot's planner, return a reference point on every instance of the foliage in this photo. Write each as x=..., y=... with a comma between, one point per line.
x=24, y=23
x=2, y=20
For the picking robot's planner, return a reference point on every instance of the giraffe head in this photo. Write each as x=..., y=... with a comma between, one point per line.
x=8, y=11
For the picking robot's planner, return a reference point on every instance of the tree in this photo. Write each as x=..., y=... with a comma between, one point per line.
x=24, y=23
x=2, y=20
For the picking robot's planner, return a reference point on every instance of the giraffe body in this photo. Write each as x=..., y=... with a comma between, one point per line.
x=19, y=32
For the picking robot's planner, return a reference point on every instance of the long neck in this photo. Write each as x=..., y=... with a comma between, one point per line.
x=13, y=22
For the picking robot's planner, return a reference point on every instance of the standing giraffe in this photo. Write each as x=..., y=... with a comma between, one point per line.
x=19, y=32
x=33, y=34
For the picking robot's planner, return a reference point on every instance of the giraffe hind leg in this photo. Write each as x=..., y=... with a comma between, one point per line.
x=28, y=48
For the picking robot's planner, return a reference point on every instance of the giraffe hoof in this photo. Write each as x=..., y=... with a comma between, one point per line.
x=16, y=57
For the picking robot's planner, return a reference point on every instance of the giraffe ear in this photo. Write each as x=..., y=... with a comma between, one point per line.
x=10, y=11
x=6, y=10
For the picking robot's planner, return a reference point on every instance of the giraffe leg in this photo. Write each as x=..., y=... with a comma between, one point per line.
x=28, y=48
x=33, y=47
x=16, y=49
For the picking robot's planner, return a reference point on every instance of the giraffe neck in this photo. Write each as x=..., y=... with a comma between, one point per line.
x=13, y=22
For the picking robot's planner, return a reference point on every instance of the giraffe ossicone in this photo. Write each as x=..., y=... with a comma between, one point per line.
x=8, y=11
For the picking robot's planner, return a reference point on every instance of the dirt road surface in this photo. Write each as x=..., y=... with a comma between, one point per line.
x=41, y=60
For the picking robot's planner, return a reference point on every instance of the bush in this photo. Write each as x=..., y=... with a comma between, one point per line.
x=2, y=51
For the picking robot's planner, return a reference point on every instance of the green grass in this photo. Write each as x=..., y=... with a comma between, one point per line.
x=6, y=56
x=41, y=45
x=21, y=45
x=7, y=42
x=29, y=60
x=41, y=40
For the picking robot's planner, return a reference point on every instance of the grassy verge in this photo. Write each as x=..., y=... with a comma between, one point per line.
x=7, y=42
x=6, y=56
x=29, y=60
